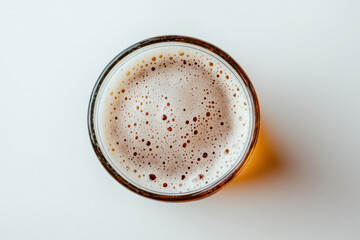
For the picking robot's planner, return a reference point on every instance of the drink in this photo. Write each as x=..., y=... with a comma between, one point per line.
x=174, y=119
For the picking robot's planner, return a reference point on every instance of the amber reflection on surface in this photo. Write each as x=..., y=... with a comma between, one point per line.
x=264, y=161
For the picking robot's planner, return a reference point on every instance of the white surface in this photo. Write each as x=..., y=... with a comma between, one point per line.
x=303, y=59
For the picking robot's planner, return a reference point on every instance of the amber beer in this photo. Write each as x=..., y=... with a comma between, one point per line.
x=174, y=119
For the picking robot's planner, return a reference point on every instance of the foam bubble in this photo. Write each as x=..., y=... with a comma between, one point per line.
x=174, y=119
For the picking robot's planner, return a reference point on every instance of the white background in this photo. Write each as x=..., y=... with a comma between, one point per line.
x=303, y=59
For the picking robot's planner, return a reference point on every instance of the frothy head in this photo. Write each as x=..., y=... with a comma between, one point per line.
x=173, y=119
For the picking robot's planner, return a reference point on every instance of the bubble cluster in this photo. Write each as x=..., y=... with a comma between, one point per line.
x=174, y=119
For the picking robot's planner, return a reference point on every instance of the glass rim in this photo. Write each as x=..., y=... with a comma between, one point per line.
x=222, y=181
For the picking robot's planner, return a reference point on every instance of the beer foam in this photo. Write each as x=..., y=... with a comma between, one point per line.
x=174, y=119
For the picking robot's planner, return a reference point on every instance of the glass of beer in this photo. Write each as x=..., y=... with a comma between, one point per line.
x=173, y=118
